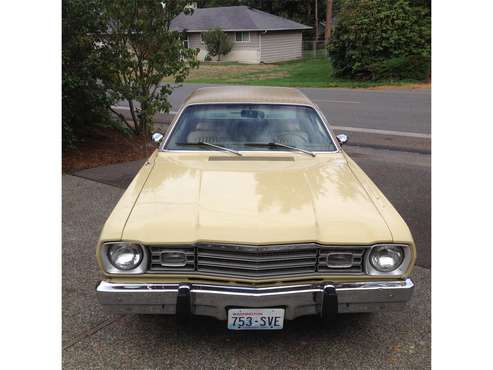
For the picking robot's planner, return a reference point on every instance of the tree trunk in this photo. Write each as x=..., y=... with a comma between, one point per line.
x=135, y=117
x=146, y=124
x=145, y=120
x=328, y=22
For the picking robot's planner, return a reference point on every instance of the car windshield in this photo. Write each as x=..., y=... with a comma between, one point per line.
x=250, y=127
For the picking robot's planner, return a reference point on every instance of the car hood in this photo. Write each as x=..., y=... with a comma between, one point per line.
x=254, y=199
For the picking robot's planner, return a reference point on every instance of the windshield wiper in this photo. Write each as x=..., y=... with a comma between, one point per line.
x=212, y=146
x=279, y=145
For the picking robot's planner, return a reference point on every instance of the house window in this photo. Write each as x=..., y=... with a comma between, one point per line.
x=242, y=37
x=201, y=38
x=185, y=43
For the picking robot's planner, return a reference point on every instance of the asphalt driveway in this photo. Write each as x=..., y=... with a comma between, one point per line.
x=93, y=339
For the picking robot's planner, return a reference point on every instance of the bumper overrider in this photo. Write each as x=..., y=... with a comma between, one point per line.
x=325, y=299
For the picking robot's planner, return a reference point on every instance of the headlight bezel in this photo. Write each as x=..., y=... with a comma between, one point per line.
x=110, y=268
x=400, y=270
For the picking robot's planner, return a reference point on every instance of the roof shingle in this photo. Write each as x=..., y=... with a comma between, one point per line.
x=233, y=18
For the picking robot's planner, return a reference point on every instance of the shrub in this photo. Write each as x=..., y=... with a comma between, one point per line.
x=217, y=42
x=138, y=50
x=118, y=50
x=414, y=67
x=381, y=39
x=84, y=101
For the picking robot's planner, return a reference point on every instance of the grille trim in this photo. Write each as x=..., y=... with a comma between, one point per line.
x=156, y=264
x=246, y=261
x=357, y=263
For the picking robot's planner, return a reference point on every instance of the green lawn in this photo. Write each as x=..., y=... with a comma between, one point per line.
x=308, y=72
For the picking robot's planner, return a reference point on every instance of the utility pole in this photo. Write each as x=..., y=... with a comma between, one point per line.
x=316, y=20
x=328, y=22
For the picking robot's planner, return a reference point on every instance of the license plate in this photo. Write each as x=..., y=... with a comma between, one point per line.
x=256, y=318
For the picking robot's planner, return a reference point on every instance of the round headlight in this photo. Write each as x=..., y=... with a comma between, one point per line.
x=386, y=258
x=125, y=256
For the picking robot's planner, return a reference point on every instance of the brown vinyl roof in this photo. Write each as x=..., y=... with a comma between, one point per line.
x=248, y=94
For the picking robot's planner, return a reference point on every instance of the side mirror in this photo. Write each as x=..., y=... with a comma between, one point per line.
x=342, y=138
x=157, y=137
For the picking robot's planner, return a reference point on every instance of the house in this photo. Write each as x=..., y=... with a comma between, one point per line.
x=258, y=37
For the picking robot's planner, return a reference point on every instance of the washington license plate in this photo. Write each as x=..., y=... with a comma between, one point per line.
x=256, y=318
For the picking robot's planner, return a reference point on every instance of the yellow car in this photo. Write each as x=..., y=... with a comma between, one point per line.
x=250, y=212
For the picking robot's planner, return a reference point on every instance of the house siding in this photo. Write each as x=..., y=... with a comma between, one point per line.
x=270, y=47
x=243, y=52
x=281, y=46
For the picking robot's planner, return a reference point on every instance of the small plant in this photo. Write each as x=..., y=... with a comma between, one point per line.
x=217, y=42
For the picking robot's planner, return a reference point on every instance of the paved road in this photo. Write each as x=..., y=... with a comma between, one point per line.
x=93, y=339
x=390, y=110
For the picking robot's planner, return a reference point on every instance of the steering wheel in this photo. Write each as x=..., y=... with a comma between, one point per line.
x=292, y=139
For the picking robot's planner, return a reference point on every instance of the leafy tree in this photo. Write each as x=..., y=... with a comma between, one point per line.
x=137, y=51
x=84, y=101
x=383, y=39
x=217, y=42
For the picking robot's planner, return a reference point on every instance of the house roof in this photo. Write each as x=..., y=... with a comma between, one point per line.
x=233, y=18
x=248, y=94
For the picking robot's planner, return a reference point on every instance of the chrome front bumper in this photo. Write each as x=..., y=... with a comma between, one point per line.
x=214, y=300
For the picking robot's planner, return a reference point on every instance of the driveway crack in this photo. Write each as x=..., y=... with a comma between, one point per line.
x=90, y=332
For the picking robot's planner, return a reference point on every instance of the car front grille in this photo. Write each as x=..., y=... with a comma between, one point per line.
x=158, y=263
x=260, y=261
x=256, y=261
x=356, y=257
